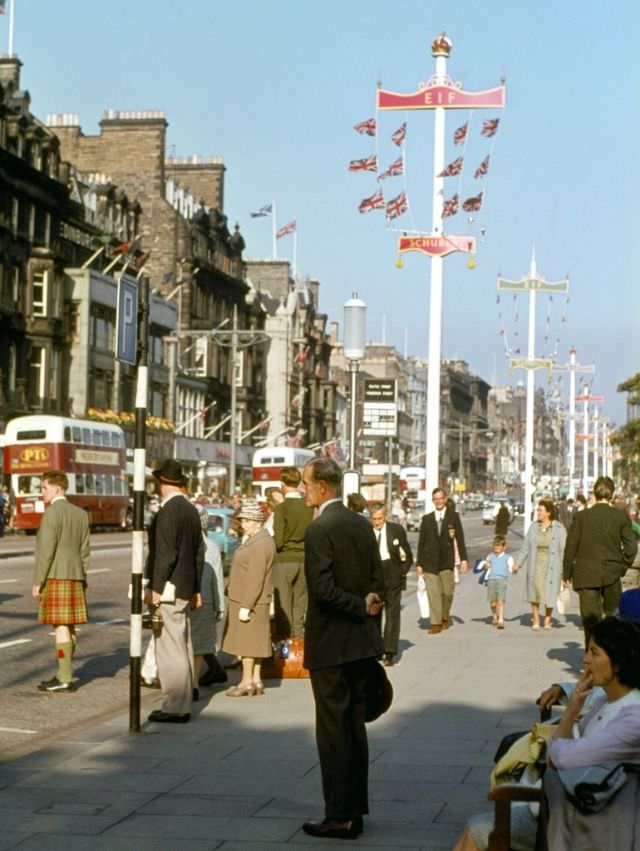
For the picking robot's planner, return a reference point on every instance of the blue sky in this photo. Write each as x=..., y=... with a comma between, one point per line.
x=275, y=87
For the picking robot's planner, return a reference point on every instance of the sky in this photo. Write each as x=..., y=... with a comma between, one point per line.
x=275, y=87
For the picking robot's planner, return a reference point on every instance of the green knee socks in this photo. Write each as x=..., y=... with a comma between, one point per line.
x=64, y=653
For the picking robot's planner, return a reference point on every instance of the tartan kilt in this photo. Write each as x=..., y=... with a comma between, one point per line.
x=62, y=602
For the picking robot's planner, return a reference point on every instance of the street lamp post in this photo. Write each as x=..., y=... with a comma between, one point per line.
x=355, y=324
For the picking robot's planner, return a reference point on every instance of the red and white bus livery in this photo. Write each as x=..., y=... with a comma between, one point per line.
x=92, y=455
x=269, y=461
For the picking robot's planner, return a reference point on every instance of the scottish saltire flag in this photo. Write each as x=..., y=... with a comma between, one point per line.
x=396, y=168
x=452, y=169
x=367, y=127
x=472, y=205
x=267, y=210
x=290, y=228
x=461, y=134
x=375, y=202
x=397, y=206
x=482, y=169
x=450, y=207
x=399, y=136
x=367, y=164
x=490, y=126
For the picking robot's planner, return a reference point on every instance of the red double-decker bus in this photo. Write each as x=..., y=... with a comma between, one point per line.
x=91, y=454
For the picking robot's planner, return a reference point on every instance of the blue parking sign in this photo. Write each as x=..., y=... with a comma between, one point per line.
x=127, y=320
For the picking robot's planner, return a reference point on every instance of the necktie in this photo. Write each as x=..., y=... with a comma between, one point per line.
x=439, y=522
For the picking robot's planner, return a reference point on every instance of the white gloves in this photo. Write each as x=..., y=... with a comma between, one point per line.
x=244, y=615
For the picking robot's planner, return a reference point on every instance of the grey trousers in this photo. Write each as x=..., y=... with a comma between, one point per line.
x=290, y=598
x=440, y=588
x=174, y=654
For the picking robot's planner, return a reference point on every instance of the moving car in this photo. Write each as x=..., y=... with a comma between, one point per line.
x=220, y=531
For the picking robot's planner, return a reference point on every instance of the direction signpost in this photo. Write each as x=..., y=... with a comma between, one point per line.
x=438, y=94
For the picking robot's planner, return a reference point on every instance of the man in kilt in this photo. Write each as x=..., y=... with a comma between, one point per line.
x=62, y=560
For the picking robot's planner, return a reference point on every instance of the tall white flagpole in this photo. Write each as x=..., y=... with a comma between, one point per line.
x=295, y=249
x=10, y=27
x=273, y=230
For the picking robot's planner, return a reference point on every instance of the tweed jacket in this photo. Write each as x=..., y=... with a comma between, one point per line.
x=435, y=551
x=62, y=544
x=342, y=565
x=600, y=547
x=250, y=579
x=176, y=548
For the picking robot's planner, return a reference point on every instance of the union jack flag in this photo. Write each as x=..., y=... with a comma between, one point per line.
x=368, y=127
x=482, y=169
x=490, y=126
x=375, y=202
x=399, y=136
x=394, y=169
x=453, y=168
x=450, y=207
x=472, y=205
x=367, y=164
x=290, y=228
x=461, y=134
x=397, y=206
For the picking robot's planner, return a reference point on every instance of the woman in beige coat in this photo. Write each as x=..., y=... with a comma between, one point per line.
x=248, y=632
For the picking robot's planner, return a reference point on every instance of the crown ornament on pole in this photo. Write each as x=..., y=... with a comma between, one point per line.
x=441, y=46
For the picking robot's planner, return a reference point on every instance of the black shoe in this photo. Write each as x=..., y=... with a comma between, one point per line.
x=213, y=677
x=54, y=686
x=169, y=717
x=387, y=659
x=331, y=829
x=195, y=695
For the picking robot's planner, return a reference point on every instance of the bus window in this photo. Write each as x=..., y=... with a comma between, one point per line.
x=115, y=438
x=67, y=434
x=96, y=437
x=89, y=485
x=86, y=435
x=106, y=438
x=108, y=484
x=100, y=484
x=79, y=483
x=77, y=434
x=117, y=485
x=28, y=485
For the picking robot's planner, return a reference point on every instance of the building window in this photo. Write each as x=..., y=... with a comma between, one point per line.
x=39, y=292
x=101, y=327
x=11, y=377
x=37, y=372
x=15, y=214
x=54, y=375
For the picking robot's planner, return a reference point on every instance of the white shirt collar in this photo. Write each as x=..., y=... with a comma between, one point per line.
x=328, y=502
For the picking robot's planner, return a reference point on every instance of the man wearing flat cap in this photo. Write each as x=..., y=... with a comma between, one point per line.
x=174, y=567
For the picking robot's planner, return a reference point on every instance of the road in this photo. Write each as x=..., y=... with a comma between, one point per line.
x=31, y=719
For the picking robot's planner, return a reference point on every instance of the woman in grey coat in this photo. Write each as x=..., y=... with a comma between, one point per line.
x=542, y=555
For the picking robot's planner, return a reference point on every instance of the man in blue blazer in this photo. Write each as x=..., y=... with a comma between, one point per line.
x=342, y=640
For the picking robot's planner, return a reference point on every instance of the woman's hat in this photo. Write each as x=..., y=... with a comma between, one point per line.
x=251, y=510
x=170, y=473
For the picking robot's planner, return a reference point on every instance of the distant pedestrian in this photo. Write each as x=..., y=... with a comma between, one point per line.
x=290, y=520
x=174, y=570
x=563, y=512
x=396, y=558
x=440, y=545
x=600, y=547
x=274, y=497
x=499, y=565
x=503, y=519
x=62, y=561
x=358, y=504
x=542, y=554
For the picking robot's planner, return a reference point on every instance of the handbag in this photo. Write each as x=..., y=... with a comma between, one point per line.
x=591, y=787
x=423, y=599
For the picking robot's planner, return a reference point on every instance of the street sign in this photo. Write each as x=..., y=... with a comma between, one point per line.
x=380, y=419
x=127, y=320
x=446, y=96
x=380, y=390
x=437, y=246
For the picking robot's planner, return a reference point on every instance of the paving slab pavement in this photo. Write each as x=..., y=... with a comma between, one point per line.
x=244, y=773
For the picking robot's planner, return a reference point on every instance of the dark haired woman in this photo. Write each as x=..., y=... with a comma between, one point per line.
x=541, y=555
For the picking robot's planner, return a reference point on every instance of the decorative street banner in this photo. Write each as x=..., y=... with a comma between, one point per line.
x=437, y=246
x=537, y=284
x=449, y=97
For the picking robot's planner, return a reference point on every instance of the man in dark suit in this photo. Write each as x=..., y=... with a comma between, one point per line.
x=342, y=639
x=440, y=544
x=174, y=569
x=600, y=547
x=396, y=558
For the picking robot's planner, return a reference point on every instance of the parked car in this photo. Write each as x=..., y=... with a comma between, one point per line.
x=414, y=516
x=220, y=531
x=492, y=506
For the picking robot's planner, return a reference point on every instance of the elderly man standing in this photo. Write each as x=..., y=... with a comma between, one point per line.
x=396, y=558
x=345, y=584
x=174, y=570
x=62, y=560
x=440, y=545
x=600, y=547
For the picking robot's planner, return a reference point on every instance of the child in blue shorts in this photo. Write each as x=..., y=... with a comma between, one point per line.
x=499, y=565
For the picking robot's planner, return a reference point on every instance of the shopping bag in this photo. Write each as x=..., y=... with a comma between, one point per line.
x=563, y=603
x=423, y=600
